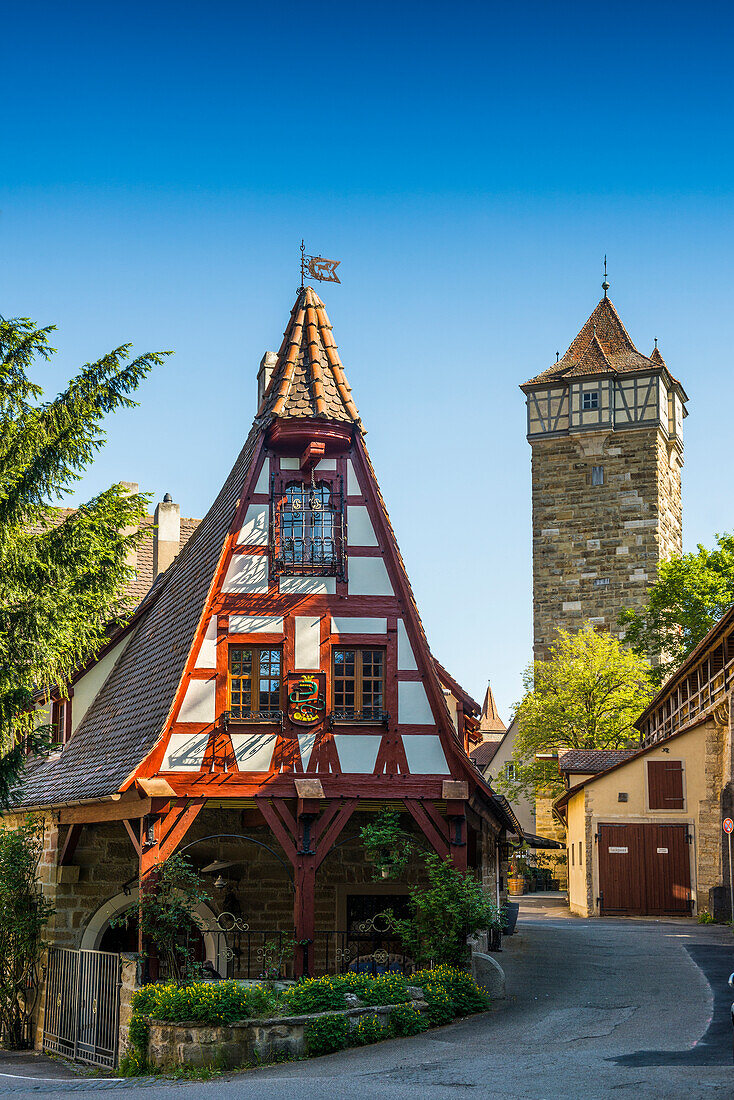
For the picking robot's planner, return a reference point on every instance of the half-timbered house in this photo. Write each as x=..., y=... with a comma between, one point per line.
x=273, y=690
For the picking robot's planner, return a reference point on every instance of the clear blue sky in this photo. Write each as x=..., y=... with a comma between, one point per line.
x=469, y=164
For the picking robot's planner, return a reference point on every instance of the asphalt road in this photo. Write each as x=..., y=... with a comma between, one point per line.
x=597, y=1010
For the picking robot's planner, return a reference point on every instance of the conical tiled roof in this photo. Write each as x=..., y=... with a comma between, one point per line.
x=602, y=347
x=490, y=721
x=657, y=358
x=308, y=379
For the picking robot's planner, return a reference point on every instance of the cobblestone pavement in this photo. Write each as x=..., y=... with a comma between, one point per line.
x=597, y=1009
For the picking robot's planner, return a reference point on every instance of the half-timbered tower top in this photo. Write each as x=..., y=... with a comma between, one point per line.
x=603, y=381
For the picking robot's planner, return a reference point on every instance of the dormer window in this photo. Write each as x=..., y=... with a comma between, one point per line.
x=591, y=400
x=307, y=529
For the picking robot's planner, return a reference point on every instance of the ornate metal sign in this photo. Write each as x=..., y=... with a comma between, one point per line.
x=306, y=698
x=318, y=267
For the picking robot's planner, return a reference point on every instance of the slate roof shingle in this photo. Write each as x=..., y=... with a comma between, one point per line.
x=591, y=761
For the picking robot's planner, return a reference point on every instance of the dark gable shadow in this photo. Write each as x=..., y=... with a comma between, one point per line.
x=714, y=1048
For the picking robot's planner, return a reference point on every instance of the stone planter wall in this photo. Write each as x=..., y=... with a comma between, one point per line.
x=245, y=1042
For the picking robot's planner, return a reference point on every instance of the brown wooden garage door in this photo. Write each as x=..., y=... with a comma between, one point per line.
x=644, y=870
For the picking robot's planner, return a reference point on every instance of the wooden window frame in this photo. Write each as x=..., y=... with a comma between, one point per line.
x=650, y=767
x=359, y=649
x=257, y=715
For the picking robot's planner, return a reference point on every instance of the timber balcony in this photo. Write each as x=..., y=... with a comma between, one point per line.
x=701, y=684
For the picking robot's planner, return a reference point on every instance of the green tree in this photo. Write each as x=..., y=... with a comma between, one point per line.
x=443, y=913
x=61, y=583
x=170, y=894
x=691, y=593
x=24, y=913
x=587, y=695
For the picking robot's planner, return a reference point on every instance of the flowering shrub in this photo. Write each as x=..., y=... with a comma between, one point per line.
x=204, y=1002
x=450, y=992
x=327, y=1034
x=407, y=1020
x=369, y=1030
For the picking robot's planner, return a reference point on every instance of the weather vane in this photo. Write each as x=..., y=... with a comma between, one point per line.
x=317, y=267
x=605, y=284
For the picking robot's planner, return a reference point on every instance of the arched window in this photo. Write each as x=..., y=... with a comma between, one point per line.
x=306, y=530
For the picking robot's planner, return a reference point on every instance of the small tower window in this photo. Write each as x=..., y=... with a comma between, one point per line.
x=591, y=400
x=306, y=530
x=597, y=475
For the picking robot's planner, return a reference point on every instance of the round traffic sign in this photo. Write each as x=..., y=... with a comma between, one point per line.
x=727, y=825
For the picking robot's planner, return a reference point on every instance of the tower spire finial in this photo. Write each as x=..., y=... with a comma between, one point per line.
x=605, y=284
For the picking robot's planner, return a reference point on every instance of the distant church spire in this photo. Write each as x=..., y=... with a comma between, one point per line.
x=605, y=284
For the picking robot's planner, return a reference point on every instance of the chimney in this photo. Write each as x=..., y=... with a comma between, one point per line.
x=166, y=534
x=265, y=373
x=131, y=487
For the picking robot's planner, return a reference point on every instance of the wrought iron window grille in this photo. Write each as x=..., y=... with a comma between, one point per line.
x=346, y=716
x=271, y=716
x=307, y=528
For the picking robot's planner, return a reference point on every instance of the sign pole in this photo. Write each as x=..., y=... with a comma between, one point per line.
x=728, y=827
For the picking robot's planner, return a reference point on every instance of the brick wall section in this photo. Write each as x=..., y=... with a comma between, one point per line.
x=618, y=531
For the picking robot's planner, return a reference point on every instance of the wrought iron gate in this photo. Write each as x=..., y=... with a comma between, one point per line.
x=82, y=1005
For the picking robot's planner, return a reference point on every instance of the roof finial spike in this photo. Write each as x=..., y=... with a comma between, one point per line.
x=558, y=356
x=605, y=284
x=303, y=264
x=656, y=341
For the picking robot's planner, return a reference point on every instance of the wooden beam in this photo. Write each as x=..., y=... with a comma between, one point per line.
x=435, y=838
x=131, y=833
x=328, y=838
x=277, y=828
x=98, y=812
x=313, y=453
x=69, y=845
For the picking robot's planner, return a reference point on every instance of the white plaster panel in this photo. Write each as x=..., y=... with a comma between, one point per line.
x=185, y=752
x=207, y=655
x=263, y=481
x=255, y=624
x=406, y=656
x=425, y=755
x=308, y=586
x=452, y=705
x=360, y=531
x=413, y=706
x=290, y=463
x=353, y=489
x=88, y=687
x=254, y=531
x=253, y=751
x=368, y=577
x=326, y=464
x=357, y=751
x=358, y=626
x=198, y=702
x=308, y=641
x=305, y=744
x=247, y=573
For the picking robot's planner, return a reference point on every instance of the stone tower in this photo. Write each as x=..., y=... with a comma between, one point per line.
x=604, y=423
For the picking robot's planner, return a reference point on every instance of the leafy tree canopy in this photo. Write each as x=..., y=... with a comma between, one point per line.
x=61, y=583
x=691, y=594
x=586, y=696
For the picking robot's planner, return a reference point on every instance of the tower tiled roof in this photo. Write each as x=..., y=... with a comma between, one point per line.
x=308, y=379
x=490, y=721
x=603, y=346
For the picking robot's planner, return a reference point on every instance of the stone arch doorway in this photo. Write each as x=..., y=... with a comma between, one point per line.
x=98, y=929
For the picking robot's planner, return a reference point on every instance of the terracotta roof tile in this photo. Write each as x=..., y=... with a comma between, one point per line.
x=603, y=333
x=483, y=754
x=490, y=721
x=308, y=379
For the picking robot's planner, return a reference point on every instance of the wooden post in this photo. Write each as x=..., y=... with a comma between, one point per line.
x=304, y=914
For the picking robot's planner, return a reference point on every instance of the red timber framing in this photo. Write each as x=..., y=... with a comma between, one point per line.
x=348, y=761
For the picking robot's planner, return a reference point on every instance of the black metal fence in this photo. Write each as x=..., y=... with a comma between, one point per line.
x=81, y=1017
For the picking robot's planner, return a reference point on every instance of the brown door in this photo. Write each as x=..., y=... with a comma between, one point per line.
x=644, y=870
x=621, y=869
x=667, y=869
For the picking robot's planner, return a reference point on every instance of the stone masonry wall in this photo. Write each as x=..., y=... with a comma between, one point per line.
x=617, y=532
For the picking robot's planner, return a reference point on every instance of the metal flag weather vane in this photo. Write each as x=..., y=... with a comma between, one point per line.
x=317, y=267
